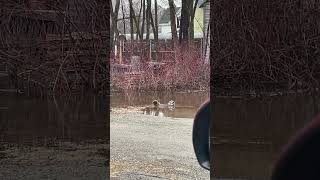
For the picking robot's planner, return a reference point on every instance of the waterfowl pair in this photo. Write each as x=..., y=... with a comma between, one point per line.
x=157, y=104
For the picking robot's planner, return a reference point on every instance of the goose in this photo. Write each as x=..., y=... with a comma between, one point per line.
x=298, y=160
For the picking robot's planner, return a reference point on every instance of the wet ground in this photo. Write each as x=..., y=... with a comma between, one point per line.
x=186, y=103
x=54, y=138
x=149, y=143
x=152, y=147
x=249, y=133
x=69, y=161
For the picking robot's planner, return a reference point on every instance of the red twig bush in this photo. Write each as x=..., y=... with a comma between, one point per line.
x=187, y=71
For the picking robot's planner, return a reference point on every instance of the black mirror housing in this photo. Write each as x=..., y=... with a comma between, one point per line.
x=201, y=135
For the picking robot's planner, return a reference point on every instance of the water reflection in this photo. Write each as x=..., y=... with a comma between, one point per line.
x=248, y=134
x=186, y=104
x=34, y=121
x=153, y=112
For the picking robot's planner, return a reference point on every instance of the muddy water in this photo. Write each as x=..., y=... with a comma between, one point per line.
x=186, y=103
x=38, y=122
x=248, y=134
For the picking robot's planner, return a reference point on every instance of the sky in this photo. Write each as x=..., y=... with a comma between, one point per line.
x=163, y=3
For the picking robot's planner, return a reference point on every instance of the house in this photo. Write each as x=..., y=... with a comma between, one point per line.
x=201, y=24
x=205, y=5
x=165, y=23
x=199, y=21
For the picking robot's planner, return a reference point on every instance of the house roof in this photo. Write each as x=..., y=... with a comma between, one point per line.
x=165, y=18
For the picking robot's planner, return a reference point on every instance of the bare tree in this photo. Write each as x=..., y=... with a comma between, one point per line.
x=114, y=17
x=123, y=17
x=133, y=19
x=187, y=7
x=144, y=17
x=148, y=19
x=192, y=15
x=184, y=22
x=138, y=21
x=156, y=20
x=173, y=22
x=156, y=32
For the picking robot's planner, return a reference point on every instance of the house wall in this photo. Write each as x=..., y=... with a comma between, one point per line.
x=165, y=29
x=206, y=30
x=206, y=16
x=198, y=21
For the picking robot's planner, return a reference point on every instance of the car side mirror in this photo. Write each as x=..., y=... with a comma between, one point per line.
x=201, y=135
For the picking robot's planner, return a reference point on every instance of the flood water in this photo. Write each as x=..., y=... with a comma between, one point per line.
x=249, y=134
x=38, y=121
x=186, y=103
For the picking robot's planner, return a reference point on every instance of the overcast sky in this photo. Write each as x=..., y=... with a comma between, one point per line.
x=163, y=3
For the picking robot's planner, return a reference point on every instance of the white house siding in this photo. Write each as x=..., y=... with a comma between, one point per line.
x=165, y=29
x=206, y=27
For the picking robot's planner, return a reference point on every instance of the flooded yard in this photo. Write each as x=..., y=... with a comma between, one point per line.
x=154, y=144
x=186, y=103
x=146, y=147
x=249, y=134
x=68, y=137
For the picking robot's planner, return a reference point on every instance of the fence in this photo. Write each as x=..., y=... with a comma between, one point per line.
x=162, y=51
x=181, y=68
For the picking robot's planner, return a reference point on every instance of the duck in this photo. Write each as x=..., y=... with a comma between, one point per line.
x=171, y=103
x=156, y=103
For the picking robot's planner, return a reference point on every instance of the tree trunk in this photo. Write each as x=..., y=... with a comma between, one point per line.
x=131, y=21
x=156, y=20
x=114, y=22
x=134, y=20
x=174, y=35
x=148, y=13
x=154, y=29
x=156, y=34
x=123, y=18
x=192, y=15
x=138, y=23
x=185, y=19
x=144, y=17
